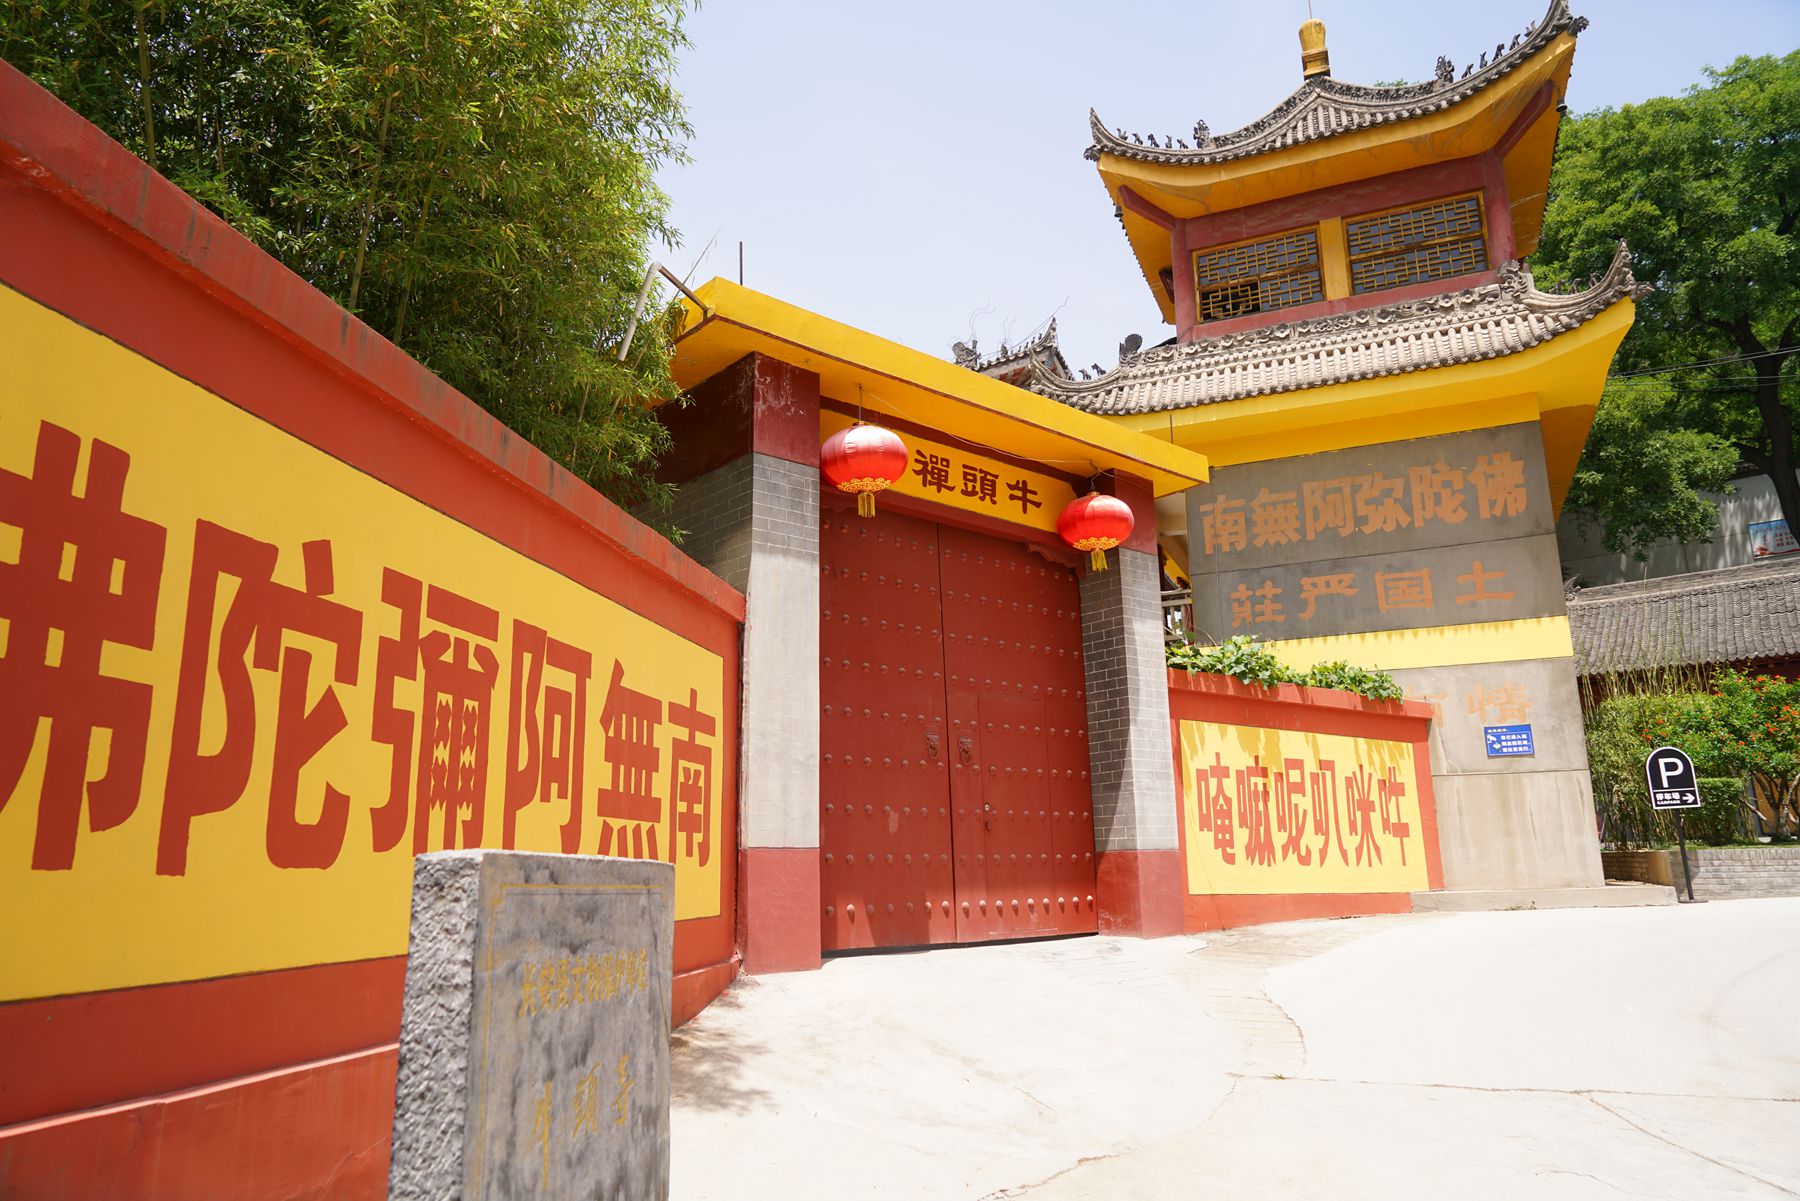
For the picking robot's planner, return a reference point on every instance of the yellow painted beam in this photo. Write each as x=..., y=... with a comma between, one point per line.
x=980, y=412
x=1334, y=258
x=1435, y=646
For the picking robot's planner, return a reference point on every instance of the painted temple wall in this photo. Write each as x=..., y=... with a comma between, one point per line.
x=1435, y=546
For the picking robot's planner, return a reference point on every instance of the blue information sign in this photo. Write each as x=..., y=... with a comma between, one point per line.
x=1508, y=740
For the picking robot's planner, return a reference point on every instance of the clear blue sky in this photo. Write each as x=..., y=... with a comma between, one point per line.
x=913, y=167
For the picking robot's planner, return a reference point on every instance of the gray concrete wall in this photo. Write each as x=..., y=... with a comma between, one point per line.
x=780, y=797
x=1427, y=505
x=1129, y=751
x=755, y=523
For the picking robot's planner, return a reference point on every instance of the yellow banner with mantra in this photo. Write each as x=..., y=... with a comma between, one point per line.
x=956, y=476
x=243, y=683
x=1290, y=812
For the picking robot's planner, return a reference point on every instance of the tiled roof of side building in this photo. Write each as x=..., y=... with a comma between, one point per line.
x=1324, y=107
x=1013, y=363
x=1485, y=322
x=1746, y=614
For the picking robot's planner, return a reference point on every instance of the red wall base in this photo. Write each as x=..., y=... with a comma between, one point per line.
x=315, y=1132
x=1223, y=912
x=696, y=990
x=778, y=909
x=1139, y=893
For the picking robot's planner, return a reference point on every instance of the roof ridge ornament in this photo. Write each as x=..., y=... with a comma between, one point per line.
x=1324, y=106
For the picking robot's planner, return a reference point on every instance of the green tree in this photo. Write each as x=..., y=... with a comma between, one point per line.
x=1643, y=472
x=475, y=180
x=1706, y=189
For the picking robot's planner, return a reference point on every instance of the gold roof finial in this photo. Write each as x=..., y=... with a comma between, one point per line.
x=1314, y=59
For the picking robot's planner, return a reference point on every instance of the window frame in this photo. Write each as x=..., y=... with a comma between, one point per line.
x=1351, y=258
x=1316, y=267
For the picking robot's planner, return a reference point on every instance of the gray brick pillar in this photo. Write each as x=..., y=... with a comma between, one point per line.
x=1130, y=748
x=747, y=455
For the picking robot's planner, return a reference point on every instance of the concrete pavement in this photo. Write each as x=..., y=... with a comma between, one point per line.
x=1555, y=1053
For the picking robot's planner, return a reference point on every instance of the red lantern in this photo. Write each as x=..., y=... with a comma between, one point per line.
x=1096, y=524
x=864, y=459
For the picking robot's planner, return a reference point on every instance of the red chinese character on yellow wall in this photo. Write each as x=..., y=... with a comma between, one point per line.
x=1391, y=792
x=439, y=753
x=1253, y=812
x=1212, y=807
x=1359, y=799
x=1290, y=811
x=546, y=715
x=690, y=779
x=1325, y=817
x=629, y=808
x=87, y=574
x=253, y=636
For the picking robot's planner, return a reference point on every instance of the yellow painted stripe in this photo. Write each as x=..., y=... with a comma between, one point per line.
x=1435, y=646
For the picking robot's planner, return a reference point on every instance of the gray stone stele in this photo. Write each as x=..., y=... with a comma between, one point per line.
x=534, y=1040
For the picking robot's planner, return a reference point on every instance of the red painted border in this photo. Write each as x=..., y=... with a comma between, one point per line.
x=1222, y=912
x=1201, y=696
x=779, y=908
x=313, y=1132
x=1139, y=893
x=91, y=1049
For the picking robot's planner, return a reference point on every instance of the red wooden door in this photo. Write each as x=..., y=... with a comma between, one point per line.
x=884, y=792
x=1023, y=829
x=960, y=830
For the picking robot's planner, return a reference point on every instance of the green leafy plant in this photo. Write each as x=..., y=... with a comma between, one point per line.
x=1378, y=685
x=475, y=181
x=1243, y=658
x=1752, y=726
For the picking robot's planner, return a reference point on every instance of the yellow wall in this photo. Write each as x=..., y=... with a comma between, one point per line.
x=205, y=472
x=1340, y=815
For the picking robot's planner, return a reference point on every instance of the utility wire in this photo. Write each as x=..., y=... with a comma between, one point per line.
x=1735, y=358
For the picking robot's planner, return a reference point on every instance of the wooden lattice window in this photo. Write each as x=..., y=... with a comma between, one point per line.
x=1413, y=245
x=1259, y=276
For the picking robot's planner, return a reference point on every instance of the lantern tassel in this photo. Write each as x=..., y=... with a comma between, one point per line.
x=865, y=504
x=1097, y=560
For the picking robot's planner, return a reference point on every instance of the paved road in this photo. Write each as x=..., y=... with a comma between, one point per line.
x=1556, y=1054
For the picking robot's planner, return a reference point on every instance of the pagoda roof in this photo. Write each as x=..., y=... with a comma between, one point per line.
x=1485, y=322
x=1324, y=107
x=1329, y=133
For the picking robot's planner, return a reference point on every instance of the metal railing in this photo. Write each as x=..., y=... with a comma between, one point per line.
x=1177, y=614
